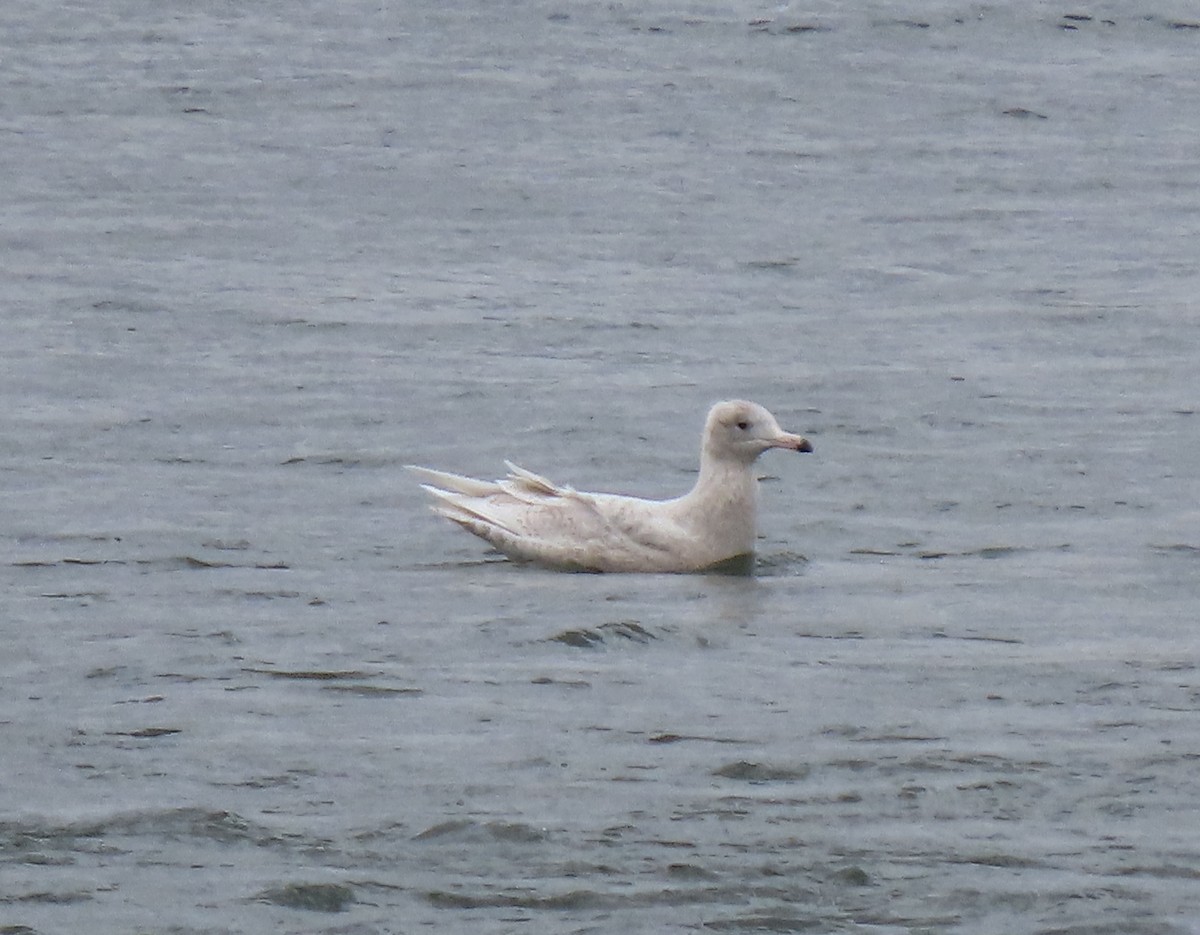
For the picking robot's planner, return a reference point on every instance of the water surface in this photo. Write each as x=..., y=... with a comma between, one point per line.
x=256, y=260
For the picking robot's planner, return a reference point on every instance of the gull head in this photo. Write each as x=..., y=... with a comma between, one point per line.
x=740, y=431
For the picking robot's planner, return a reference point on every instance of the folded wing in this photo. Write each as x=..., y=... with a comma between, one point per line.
x=530, y=518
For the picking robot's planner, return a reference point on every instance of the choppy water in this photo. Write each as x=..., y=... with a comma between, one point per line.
x=258, y=258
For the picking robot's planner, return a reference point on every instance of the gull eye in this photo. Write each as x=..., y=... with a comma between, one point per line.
x=743, y=425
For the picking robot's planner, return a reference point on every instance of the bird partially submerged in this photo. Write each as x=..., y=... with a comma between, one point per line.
x=531, y=519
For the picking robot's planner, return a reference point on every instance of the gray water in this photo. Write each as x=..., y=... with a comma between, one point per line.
x=258, y=257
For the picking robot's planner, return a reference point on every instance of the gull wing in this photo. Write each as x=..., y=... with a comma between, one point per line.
x=530, y=518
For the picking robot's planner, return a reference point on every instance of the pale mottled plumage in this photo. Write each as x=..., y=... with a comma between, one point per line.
x=528, y=518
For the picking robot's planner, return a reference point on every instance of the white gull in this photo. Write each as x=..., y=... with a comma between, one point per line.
x=531, y=519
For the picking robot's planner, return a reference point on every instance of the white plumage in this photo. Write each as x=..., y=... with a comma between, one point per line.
x=529, y=518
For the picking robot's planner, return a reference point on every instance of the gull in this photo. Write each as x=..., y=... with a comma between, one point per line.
x=712, y=526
